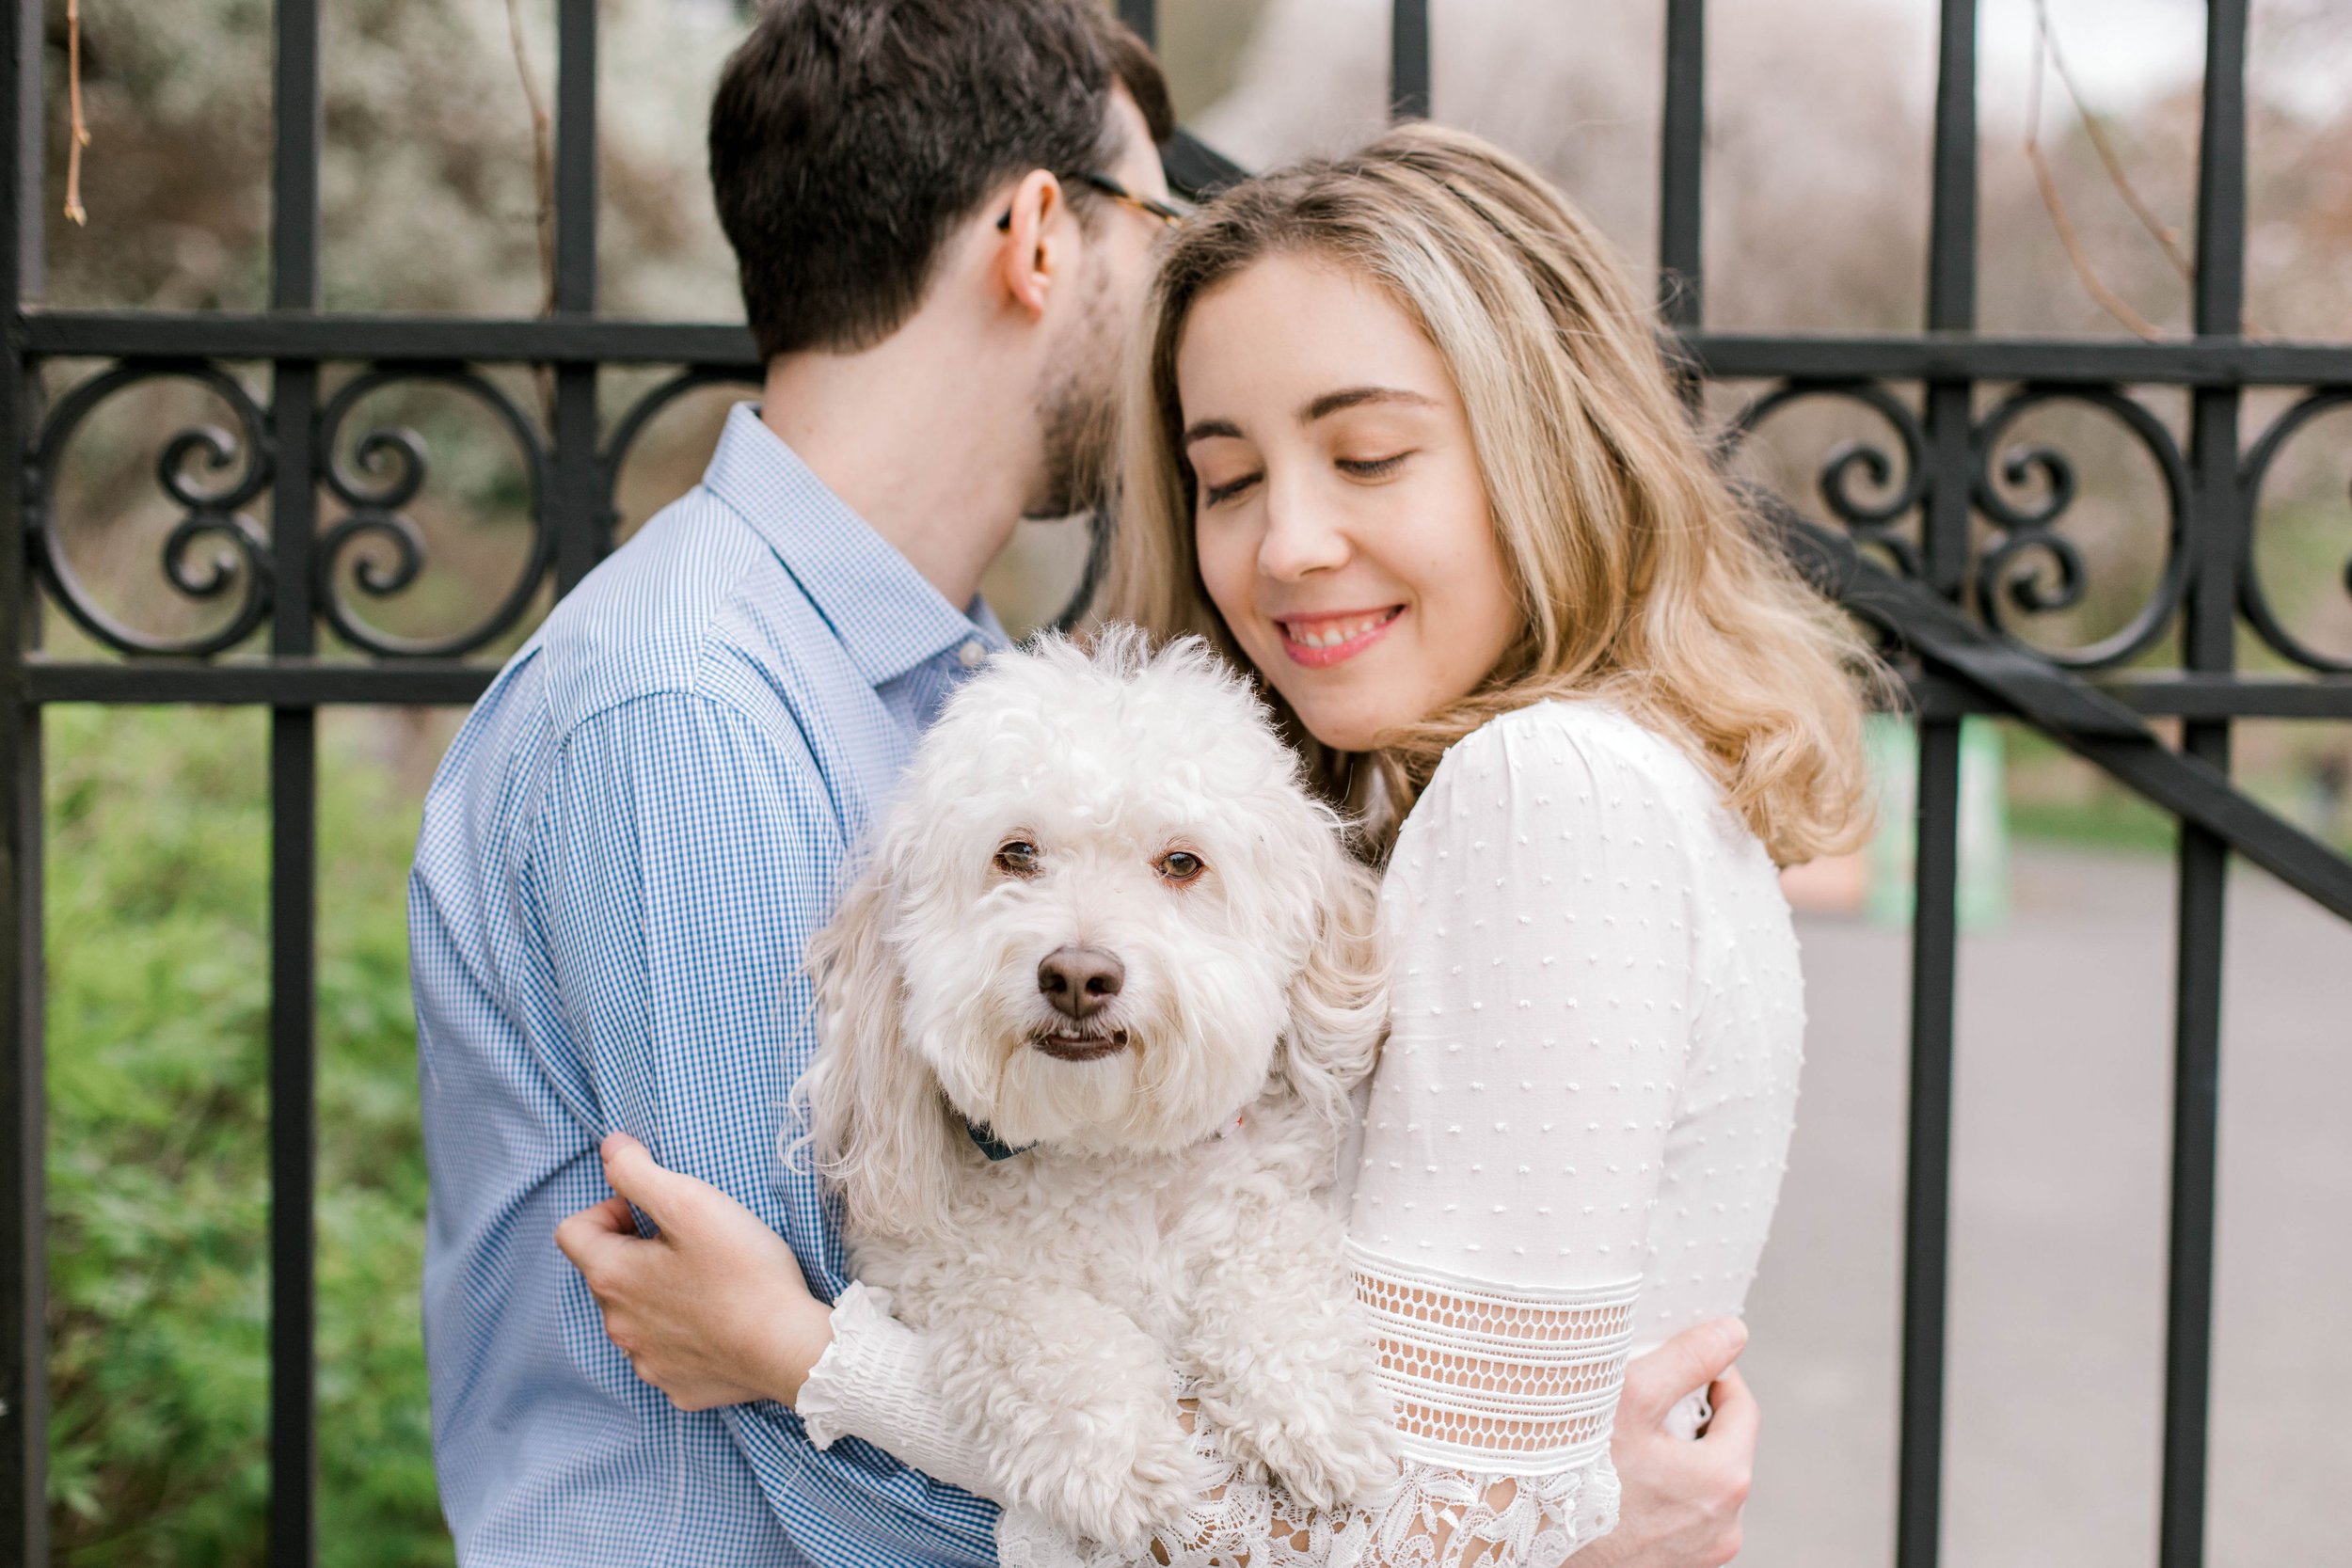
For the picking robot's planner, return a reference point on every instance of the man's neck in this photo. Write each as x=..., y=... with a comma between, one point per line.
x=917, y=444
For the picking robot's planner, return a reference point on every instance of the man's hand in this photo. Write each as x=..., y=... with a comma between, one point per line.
x=714, y=1309
x=1682, y=1500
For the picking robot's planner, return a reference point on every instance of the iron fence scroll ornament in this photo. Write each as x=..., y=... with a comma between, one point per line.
x=241, y=560
x=2253, y=599
x=382, y=473
x=214, y=473
x=2011, y=575
x=1869, y=522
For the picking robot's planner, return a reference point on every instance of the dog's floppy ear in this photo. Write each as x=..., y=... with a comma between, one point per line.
x=1339, y=1001
x=873, y=1112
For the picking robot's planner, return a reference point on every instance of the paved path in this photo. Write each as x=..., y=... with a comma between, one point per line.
x=2060, y=1165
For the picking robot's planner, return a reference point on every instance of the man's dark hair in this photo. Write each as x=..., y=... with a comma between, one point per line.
x=848, y=137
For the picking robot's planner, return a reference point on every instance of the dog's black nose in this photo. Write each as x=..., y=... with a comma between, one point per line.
x=1080, y=981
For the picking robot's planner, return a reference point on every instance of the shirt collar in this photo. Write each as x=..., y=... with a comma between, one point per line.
x=887, y=615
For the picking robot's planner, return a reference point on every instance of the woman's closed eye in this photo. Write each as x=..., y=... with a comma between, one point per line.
x=1354, y=467
x=1217, y=495
x=1371, y=467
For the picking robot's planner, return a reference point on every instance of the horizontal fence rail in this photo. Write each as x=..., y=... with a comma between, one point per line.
x=1945, y=531
x=2217, y=361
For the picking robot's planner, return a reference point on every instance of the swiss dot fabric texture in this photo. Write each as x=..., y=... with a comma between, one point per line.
x=1584, y=1105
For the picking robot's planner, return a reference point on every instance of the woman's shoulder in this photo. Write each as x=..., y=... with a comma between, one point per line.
x=1570, y=787
x=1562, y=754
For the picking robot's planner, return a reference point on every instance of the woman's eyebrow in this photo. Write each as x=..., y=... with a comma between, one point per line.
x=1205, y=429
x=1355, y=397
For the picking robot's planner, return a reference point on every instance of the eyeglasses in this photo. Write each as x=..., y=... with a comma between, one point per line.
x=1166, y=212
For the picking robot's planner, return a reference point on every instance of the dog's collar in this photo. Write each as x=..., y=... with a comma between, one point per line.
x=990, y=1144
x=996, y=1149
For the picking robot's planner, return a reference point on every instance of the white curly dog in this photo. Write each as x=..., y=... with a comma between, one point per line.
x=1088, y=1024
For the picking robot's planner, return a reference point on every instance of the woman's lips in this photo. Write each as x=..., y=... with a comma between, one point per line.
x=1319, y=641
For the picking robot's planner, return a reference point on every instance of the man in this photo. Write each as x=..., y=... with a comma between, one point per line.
x=942, y=213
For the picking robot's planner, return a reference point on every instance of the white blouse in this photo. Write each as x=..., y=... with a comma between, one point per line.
x=1569, y=1151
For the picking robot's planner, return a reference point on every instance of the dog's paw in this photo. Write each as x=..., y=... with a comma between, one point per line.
x=1121, y=1498
x=1324, y=1458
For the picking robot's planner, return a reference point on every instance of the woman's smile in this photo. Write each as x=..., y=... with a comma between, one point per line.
x=1320, y=641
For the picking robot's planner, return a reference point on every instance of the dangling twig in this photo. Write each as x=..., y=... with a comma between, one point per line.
x=542, y=170
x=2167, y=238
x=542, y=151
x=2045, y=49
x=2108, y=299
x=79, y=136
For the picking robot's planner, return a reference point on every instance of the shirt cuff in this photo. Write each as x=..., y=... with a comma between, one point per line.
x=874, y=1382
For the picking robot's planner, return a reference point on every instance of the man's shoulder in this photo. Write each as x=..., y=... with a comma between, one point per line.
x=692, y=614
x=694, y=608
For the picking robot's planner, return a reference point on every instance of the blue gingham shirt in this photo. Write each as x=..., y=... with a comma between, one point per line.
x=622, y=856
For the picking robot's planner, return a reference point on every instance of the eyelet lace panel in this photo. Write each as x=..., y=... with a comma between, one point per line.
x=1431, y=1516
x=1480, y=1372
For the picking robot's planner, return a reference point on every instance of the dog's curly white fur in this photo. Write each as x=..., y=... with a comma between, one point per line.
x=1061, y=1287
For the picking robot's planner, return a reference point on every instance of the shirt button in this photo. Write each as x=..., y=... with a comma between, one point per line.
x=970, y=655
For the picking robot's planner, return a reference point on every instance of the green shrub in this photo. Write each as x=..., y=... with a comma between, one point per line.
x=157, y=900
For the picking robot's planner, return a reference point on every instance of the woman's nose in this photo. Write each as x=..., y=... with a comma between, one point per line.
x=1300, y=538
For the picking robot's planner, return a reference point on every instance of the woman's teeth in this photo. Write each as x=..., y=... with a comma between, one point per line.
x=1330, y=634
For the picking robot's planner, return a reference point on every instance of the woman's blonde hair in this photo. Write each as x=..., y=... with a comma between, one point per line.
x=1642, y=577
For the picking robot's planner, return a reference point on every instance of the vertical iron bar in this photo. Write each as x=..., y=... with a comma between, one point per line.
x=1143, y=16
x=294, y=811
x=1927, y=1199
x=576, y=157
x=292, y=1089
x=577, y=490
x=1681, y=162
x=1952, y=238
x=294, y=242
x=23, y=1119
x=1935, y=931
x=1409, y=60
x=2209, y=647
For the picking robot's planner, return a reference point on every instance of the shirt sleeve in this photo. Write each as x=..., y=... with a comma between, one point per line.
x=1538, y=912
x=686, y=854
x=1539, y=916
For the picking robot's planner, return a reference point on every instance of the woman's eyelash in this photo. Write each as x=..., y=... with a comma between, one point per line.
x=1215, y=493
x=1363, y=468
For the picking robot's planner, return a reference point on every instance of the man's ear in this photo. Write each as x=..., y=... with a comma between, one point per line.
x=1034, y=251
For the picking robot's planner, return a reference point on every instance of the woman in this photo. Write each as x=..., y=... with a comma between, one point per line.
x=1401, y=439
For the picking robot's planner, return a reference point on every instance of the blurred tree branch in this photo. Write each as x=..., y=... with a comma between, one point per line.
x=2167, y=238
x=542, y=151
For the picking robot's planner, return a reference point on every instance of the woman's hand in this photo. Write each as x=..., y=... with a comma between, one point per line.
x=1682, y=1498
x=713, y=1309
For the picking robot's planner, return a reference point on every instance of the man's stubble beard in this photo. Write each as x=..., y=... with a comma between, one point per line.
x=1078, y=410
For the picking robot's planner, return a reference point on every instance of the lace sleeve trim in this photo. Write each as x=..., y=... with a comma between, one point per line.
x=1428, y=1517
x=1485, y=1375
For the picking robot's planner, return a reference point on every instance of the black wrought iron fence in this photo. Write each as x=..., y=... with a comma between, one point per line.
x=1949, y=600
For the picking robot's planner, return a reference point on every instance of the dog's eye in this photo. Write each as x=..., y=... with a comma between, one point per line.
x=1181, y=866
x=1017, y=857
